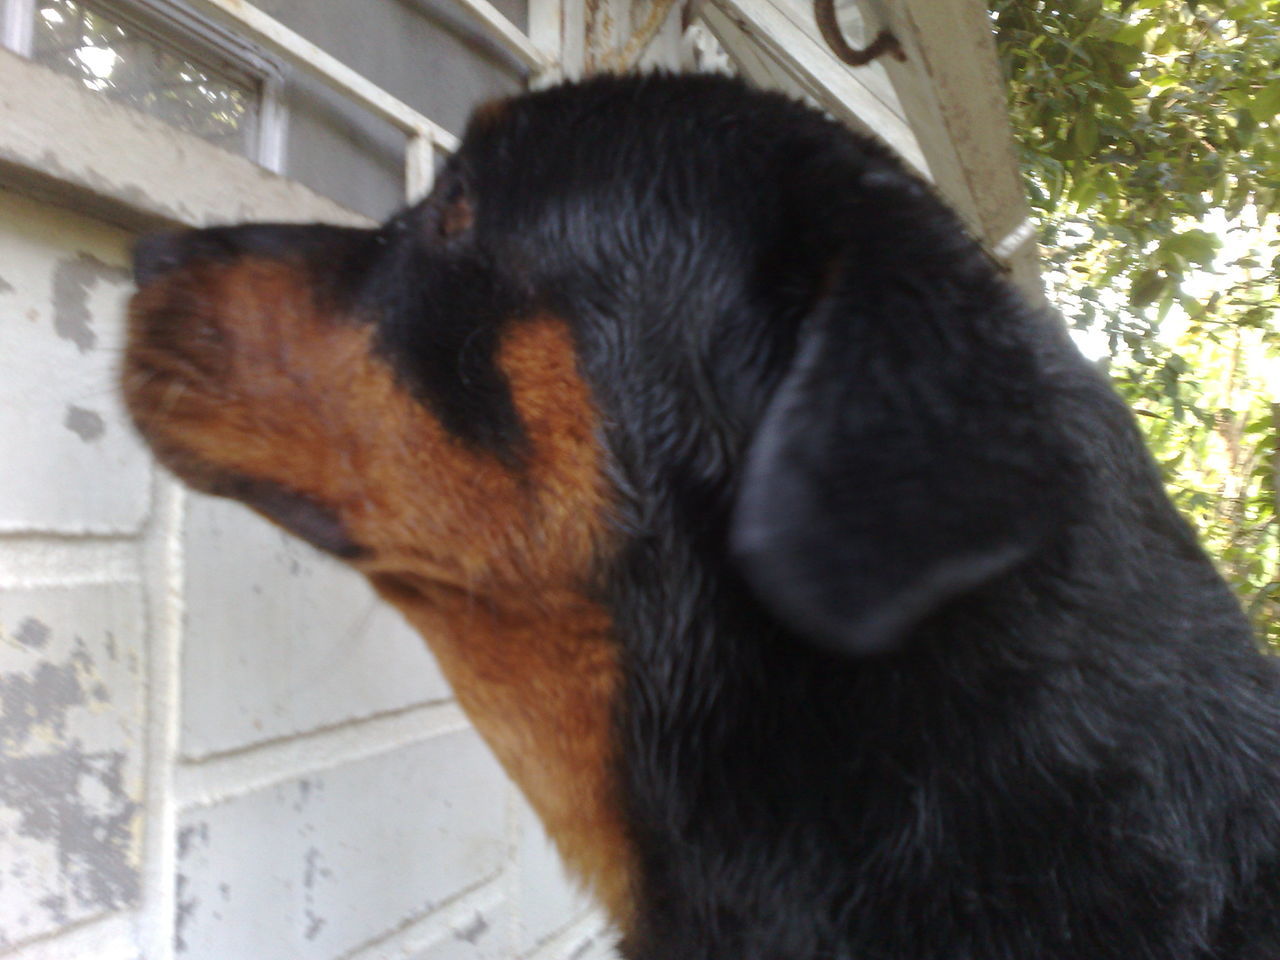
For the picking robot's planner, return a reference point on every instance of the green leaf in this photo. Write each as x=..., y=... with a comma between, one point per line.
x=1146, y=287
x=1084, y=135
x=1083, y=191
x=1196, y=245
x=1135, y=35
x=1133, y=161
x=1266, y=104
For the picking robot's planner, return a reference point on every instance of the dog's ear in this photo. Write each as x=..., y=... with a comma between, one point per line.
x=910, y=453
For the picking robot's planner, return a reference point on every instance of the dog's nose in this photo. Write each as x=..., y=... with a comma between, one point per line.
x=156, y=254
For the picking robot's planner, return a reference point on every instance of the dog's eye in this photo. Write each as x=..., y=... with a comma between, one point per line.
x=451, y=214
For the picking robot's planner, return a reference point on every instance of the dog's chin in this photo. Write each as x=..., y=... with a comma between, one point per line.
x=296, y=513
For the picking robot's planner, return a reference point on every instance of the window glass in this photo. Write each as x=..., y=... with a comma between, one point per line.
x=115, y=53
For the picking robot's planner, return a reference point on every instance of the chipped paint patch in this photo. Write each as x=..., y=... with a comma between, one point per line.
x=65, y=472
x=71, y=816
x=188, y=836
x=77, y=803
x=314, y=925
x=311, y=871
x=184, y=912
x=191, y=841
x=473, y=931
x=72, y=280
x=37, y=704
x=32, y=633
x=85, y=424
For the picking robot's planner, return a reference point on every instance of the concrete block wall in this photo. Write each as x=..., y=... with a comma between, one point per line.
x=215, y=743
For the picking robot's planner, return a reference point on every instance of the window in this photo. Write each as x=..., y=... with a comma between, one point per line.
x=162, y=61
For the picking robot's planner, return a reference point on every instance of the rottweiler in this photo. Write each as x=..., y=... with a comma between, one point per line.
x=819, y=594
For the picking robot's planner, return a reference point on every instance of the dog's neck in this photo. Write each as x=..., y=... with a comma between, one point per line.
x=538, y=678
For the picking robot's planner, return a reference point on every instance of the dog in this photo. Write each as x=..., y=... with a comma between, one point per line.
x=817, y=592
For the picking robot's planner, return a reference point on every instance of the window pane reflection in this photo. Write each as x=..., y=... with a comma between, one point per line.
x=112, y=54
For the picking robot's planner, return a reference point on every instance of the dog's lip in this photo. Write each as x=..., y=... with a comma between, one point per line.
x=300, y=514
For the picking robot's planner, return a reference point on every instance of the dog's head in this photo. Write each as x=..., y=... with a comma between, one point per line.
x=669, y=394
x=626, y=304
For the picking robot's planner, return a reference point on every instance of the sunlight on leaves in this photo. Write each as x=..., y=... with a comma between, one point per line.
x=1149, y=145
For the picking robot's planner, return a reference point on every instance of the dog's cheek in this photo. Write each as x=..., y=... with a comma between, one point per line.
x=534, y=661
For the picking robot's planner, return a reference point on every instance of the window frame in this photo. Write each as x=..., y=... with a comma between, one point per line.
x=552, y=47
x=189, y=34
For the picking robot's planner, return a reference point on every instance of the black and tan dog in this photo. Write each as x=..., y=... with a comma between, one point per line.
x=819, y=595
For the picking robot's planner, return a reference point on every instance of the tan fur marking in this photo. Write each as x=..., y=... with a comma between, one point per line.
x=490, y=113
x=540, y=688
x=456, y=218
x=491, y=566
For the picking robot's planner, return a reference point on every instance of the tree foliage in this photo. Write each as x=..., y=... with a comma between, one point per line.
x=1150, y=143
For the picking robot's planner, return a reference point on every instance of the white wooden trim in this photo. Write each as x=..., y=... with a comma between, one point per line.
x=273, y=125
x=805, y=59
x=546, y=26
x=952, y=92
x=507, y=35
x=123, y=166
x=278, y=38
x=419, y=167
x=573, y=38
x=18, y=22
x=549, y=21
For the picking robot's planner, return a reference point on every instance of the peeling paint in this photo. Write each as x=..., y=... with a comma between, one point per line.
x=71, y=802
x=72, y=281
x=304, y=794
x=129, y=194
x=187, y=837
x=39, y=700
x=57, y=907
x=77, y=802
x=85, y=424
x=80, y=655
x=314, y=925
x=184, y=911
x=32, y=633
x=473, y=931
x=309, y=871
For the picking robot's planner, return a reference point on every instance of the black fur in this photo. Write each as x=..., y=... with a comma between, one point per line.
x=842, y=432
x=919, y=661
x=440, y=326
